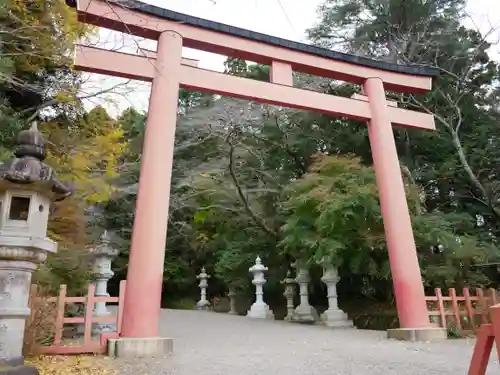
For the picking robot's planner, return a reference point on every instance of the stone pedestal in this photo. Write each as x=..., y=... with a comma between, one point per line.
x=418, y=334
x=232, y=301
x=16, y=267
x=259, y=309
x=15, y=279
x=289, y=293
x=131, y=348
x=304, y=312
x=103, y=254
x=203, y=303
x=333, y=316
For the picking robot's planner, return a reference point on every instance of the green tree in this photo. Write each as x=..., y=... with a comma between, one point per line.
x=457, y=163
x=333, y=211
x=38, y=38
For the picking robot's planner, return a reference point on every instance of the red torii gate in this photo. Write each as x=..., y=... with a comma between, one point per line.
x=168, y=71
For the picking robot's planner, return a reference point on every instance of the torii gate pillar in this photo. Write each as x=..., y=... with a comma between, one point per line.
x=147, y=253
x=408, y=288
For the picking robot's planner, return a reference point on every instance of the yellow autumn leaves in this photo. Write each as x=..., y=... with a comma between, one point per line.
x=44, y=30
x=74, y=365
x=87, y=157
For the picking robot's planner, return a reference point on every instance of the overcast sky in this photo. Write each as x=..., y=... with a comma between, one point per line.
x=283, y=18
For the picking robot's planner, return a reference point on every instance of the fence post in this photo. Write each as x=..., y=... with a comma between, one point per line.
x=493, y=294
x=481, y=300
x=468, y=306
x=439, y=296
x=61, y=306
x=487, y=335
x=121, y=298
x=482, y=350
x=495, y=319
x=456, y=311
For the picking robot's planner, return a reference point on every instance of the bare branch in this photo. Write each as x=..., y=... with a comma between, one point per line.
x=259, y=221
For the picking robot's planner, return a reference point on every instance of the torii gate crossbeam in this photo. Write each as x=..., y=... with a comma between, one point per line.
x=168, y=71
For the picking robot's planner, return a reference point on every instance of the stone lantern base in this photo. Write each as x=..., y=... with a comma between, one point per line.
x=336, y=319
x=203, y=306
x=260, y=311
x=305, y=314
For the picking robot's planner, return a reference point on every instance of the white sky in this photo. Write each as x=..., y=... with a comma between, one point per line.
x=283, y=18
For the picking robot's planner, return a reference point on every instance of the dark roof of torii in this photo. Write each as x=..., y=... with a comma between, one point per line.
x=167, y=14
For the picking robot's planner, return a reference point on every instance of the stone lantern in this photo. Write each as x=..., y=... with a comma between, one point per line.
x=304, y=312
x=333, y=316
x=27, y=187
x=232, y=300
x=102, y=256
x=259, y=309
x=289, y=293
x=203, y=303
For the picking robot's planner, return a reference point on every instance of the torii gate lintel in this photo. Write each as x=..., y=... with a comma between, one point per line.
x=167, y=71
x=279, y=91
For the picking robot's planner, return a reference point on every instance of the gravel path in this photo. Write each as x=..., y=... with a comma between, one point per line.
x=219, y=344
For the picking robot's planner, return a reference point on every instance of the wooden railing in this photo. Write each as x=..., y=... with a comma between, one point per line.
x=90, y=343
x=487, y=335
x=467, y=312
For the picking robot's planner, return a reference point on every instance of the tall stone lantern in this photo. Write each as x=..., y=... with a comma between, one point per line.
x=289, y=293
x=27, y=187
x=102, y=257
x=333, y=316
x=203, y=303
x=304, y=312
x=259, y=309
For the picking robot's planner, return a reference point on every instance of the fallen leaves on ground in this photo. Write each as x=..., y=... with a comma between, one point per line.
x=74, y=365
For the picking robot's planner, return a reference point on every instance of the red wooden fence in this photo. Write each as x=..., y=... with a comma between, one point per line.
x=90, y=344
x=488, y=335
x=467, y=312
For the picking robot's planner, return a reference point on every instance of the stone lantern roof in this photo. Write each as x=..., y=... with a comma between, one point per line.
x=27, y=166
x=104, y=248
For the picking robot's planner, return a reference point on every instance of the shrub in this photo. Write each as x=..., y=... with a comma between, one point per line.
x=39, y=329
x=181, y=304
x=69, y=266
